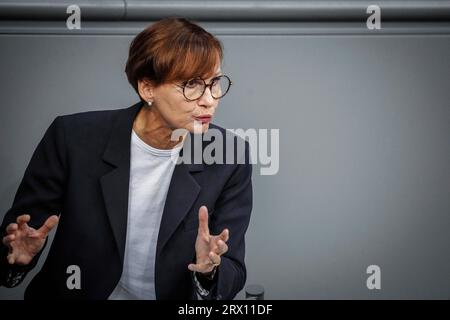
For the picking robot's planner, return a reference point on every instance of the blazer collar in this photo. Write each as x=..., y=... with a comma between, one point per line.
x=183, y=188
x=117, y=151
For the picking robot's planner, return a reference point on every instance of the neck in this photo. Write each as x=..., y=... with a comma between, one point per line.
x=153, y=130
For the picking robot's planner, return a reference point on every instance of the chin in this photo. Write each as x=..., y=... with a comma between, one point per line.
x=205, y=127
x=199, y=129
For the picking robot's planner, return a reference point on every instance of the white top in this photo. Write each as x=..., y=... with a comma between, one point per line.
x=151, y=171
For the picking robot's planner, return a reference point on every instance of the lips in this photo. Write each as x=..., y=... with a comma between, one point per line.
x=203, y=118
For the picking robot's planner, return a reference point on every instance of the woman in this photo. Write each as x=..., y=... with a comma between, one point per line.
x=133, y=224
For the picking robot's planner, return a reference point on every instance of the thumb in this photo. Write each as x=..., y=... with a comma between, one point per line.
x=48, y=225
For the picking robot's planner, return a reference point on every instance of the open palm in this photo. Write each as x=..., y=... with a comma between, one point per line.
x=23, y=241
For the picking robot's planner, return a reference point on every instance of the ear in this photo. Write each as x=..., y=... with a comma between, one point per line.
x=145, y=87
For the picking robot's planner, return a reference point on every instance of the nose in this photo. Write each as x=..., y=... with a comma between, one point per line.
x=206, y=99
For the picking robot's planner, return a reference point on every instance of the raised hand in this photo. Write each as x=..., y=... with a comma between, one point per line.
x=23, y=241
x=208, y=248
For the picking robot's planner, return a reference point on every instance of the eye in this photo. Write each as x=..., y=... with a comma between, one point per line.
x=216, y=80
x=192, y=83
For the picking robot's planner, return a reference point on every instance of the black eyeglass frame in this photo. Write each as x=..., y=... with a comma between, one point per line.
x=183, y=86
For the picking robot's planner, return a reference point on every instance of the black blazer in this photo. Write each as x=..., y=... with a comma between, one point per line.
x=81, y=170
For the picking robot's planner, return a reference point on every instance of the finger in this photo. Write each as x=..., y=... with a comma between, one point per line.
x=203, y=220
x=215, y=258
x=222, y=246
x=11, y=227
x=194, y=267
x=8, y=239
x=202, y=268
x=10, y=258
x=224, y=235
x=48, y=225
x=23, y=219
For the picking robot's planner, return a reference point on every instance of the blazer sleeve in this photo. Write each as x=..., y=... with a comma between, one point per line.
x=40, y=194
x=232, y=211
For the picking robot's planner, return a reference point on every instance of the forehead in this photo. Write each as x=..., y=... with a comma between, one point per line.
x=217, y=71
x=205, y=64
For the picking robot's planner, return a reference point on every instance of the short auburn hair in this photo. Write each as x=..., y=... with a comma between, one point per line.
x=172, y=49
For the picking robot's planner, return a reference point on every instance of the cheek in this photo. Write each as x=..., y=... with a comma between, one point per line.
x=187, y=111
x=179, y=109
x=183, y=113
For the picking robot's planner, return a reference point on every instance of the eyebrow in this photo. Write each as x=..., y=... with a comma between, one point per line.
x=219, y=73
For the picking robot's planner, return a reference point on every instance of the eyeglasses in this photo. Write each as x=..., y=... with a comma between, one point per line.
x=194, y=89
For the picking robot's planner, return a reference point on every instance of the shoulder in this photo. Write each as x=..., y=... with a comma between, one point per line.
x=87, y=119
x=86, y=131
x=88, y=126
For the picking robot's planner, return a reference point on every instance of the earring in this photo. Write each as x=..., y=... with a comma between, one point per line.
x=149, y=103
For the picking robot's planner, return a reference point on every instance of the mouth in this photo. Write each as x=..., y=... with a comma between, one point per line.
x=203, y=119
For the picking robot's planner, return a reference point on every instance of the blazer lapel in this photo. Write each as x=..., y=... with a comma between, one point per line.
x=115, y=183
x=183, y=191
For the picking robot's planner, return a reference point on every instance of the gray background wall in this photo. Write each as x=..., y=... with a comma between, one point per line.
x=364, y=119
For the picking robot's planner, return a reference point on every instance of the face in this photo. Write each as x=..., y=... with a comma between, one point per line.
x=179, y=113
